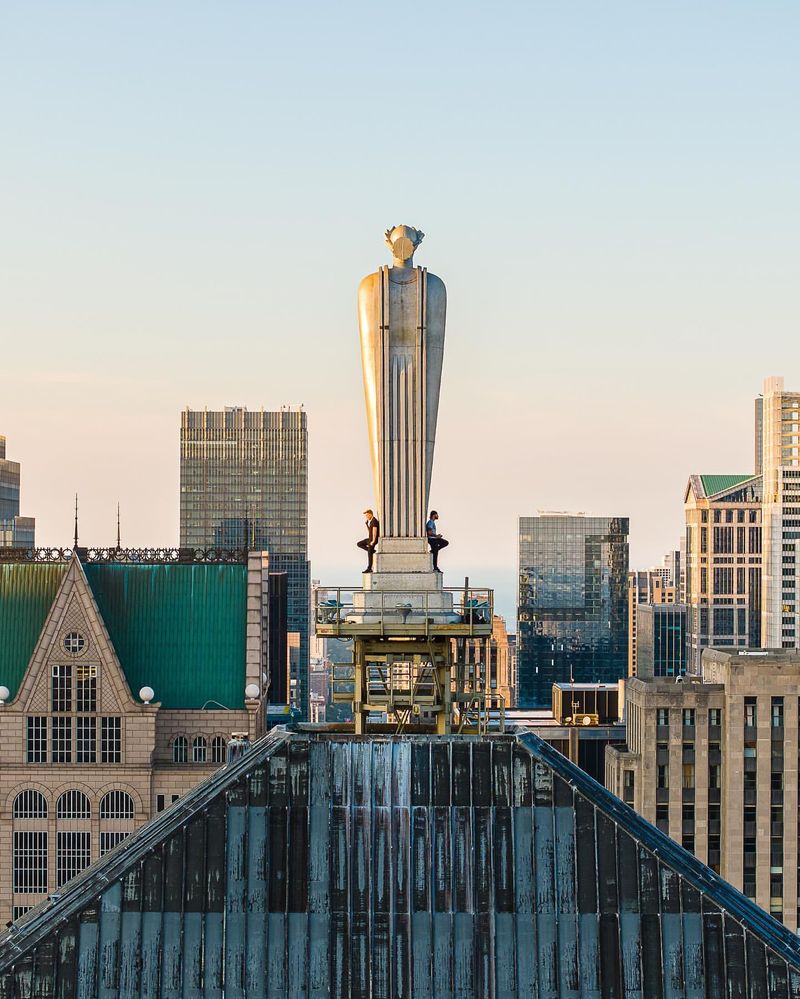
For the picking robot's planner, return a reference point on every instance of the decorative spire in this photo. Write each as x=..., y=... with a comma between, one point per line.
x=119, y=545
x=75, y=543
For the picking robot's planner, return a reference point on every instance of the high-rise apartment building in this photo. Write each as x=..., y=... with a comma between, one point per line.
x=779, y=446
x=713, y=762
x=244, y=484
x=493, y=656
x=15, y=531
x=646, y=586
x=573, y=606
x=723, y=563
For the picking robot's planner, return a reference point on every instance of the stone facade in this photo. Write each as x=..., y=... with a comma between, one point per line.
x=83, y=761
x=723, y=776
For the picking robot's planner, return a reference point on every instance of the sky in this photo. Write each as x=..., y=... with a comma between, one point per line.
x=190, y=193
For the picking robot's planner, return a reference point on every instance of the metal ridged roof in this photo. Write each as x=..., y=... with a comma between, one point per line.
x=323, y=865
x=713, y=484
x=179, y=629
x=26, y=594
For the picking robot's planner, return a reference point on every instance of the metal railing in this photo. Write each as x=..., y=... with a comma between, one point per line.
x=346, y=611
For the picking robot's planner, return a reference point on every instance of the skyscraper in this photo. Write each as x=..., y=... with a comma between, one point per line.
x=244, y=483
x=780, y=457
x=573, y=609
x=15, y=531
x=723, y=563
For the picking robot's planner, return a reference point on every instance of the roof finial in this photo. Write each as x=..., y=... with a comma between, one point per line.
x=118, y=534
x=75, y=544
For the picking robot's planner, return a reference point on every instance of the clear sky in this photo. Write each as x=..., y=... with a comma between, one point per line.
x=190, y=192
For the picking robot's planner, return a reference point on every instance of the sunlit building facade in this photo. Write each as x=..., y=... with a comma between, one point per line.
x=573, y=604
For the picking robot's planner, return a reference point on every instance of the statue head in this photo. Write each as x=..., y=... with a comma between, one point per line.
x=403, y=240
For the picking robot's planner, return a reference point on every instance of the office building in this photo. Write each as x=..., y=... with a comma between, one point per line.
x=324, y=864
x=713, y=762
x=87, y=752
x=780, y=458
x=723, y=563
x=646, y=586
x=573, y=605
x=661, y=640
x=244, y=484
x=15, y=531
x=492, y=655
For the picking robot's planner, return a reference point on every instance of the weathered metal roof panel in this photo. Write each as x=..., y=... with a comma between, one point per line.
x=325, y=865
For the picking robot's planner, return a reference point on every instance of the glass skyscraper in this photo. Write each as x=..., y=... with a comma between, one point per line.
x=244, y=483
x=573, y=605
x=15, y=531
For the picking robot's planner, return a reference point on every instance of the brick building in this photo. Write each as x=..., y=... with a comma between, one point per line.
x=87, y=752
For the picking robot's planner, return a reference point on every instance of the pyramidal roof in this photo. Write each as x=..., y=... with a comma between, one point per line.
x=324, y=864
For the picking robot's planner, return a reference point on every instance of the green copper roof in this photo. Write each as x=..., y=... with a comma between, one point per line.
x=717, y=483
x=26, y=593
x=179, y=629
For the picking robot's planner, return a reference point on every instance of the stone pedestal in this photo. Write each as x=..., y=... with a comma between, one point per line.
x=403, y=587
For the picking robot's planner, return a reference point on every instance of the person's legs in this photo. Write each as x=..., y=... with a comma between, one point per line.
x=436, y=545
x=369, y=549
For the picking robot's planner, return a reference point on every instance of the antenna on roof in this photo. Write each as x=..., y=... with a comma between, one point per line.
x=75, y=544
x=118, y=534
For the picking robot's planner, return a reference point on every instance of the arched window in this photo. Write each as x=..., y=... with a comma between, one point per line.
x=29, y=850
x=180, y=749
x=116, y=805
x=217, y=749
x=73, y=835
x=199, y=749
x=116, y=819
x=73, y=805
x=30, y=805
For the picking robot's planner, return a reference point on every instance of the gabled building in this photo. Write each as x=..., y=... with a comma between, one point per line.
x=723, y=563
x=125, y=674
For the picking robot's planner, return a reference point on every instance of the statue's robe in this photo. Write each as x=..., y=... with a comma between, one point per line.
x=401, y=313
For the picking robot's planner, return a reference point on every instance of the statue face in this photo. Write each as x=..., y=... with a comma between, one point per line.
x=403, y=248
x=403, y=240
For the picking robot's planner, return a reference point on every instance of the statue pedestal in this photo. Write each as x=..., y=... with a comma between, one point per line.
x=403, y=588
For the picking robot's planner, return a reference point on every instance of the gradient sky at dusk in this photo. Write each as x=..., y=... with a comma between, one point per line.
x=191, y=192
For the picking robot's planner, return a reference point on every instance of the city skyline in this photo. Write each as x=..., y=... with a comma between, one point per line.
x=194, y=196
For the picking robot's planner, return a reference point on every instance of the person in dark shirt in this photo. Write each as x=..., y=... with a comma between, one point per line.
x=373, y=534
x=436, y=541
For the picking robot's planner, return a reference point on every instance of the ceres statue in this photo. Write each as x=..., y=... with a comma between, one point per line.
x=401, y=315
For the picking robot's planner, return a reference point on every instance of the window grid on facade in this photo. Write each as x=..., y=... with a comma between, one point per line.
x=73, y=854
x=18, y=911
x=111, y=740
x=61, y=687
x=180, y=749
x=116, y=805
x=218, y=749
x=199, y=749
x=85, y=740
x=108, y=840
x=61, y=740
x=86, y=688
x=30, y=861
x=30, y=804
x=36, y=743
x=73, y=804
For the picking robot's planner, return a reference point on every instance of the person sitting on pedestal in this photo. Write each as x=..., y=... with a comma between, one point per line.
x=370, y=543
x=436, y=541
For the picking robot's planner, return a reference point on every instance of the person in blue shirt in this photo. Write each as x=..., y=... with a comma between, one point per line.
x=436, y=541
